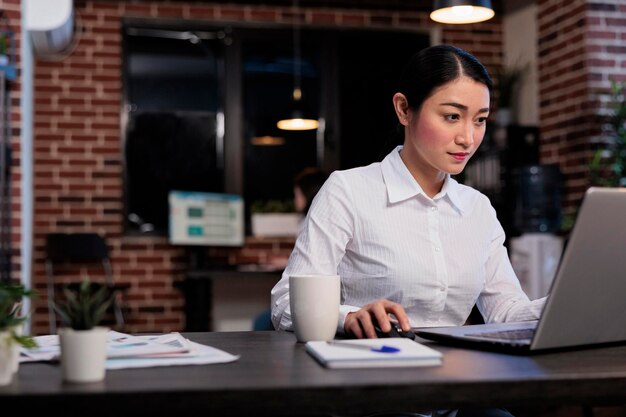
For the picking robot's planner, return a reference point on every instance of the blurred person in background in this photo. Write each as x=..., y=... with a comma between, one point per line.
x=305, y=187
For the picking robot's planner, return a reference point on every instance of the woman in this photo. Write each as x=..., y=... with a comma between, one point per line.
x=409, y=242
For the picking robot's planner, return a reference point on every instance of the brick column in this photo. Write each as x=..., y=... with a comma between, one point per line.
x=581, y=48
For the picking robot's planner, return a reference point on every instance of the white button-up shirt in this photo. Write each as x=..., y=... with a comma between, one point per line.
x=437, y=257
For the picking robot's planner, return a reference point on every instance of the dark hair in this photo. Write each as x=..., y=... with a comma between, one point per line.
x=428, y=70
x=435, y=66
x=309, y=181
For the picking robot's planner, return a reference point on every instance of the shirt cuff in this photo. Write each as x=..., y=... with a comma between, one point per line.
x=344, y=310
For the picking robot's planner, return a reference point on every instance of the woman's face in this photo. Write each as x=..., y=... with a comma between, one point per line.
x=446, y=131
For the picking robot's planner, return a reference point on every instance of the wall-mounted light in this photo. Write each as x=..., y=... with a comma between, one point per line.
x=458, y=12
x=296, y=120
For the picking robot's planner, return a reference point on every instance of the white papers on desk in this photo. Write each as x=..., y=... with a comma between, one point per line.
x=197, y=355
x=355, y=353
x=129, y=351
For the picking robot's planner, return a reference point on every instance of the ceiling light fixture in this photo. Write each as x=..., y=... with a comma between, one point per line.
x=458, y=12
x=267, y=141
x=297, y=121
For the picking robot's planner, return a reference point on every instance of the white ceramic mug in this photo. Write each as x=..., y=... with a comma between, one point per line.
x=314, y=302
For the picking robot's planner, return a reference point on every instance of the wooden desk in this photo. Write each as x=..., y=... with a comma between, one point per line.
x=275, y=376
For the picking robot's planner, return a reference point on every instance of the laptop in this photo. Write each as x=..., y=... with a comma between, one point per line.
x=586, y=305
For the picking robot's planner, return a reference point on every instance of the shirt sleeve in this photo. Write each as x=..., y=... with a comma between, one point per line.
x=502, y=299
x=320, y=246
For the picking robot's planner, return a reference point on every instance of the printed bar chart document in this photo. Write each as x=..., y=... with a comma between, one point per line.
x=119, y=345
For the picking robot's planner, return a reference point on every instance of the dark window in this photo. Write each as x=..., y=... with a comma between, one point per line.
x=172, y=85
x=177, y=107
x=168, y=151
x=268, y=82
x=370, y=64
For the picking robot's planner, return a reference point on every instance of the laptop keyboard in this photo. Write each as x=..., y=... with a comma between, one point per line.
x=519, y=334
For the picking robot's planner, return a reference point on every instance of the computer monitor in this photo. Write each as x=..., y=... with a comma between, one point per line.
x=206, y=219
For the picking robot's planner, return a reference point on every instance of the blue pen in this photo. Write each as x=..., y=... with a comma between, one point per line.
x=380, y=349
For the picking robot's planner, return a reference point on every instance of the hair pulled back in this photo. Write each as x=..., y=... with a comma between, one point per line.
x=435, y=66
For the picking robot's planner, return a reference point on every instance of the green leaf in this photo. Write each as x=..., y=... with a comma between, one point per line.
x=85, y=307
x=273, y=206
x=26, y=341
x=11, y=297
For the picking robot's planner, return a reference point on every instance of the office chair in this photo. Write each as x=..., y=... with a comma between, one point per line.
x=81, y=248
x=263, y=321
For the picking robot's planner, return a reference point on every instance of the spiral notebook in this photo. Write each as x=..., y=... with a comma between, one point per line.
x=373, y=353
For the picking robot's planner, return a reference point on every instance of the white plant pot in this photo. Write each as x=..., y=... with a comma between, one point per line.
x=83, y=354
x=15, y=360
x=7, y=352
x=275, y=224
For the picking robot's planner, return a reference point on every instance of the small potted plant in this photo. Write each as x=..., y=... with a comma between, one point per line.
x=11, y=337
x=274, y=218
x=83, y=342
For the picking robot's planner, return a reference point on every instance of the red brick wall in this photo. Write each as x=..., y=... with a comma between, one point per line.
x=12, y=11
x=582, y=45
x=77, y=146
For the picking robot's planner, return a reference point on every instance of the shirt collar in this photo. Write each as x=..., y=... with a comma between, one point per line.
x=401, y=185
x=451, y=190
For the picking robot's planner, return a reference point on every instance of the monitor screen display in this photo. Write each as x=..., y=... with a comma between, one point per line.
x=206, y=219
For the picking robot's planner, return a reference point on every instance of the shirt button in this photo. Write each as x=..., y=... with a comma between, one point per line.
x=442, y=289
x=433, y=208
x=437, y=248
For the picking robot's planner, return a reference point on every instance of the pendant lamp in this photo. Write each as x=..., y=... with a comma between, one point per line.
x=296, y=120
x=458, y=12
x=267, y=141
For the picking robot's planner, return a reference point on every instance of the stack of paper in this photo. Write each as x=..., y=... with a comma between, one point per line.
x=368, y=353
x=128, y=351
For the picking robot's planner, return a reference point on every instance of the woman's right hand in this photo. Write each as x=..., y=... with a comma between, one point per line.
x=360, y=323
